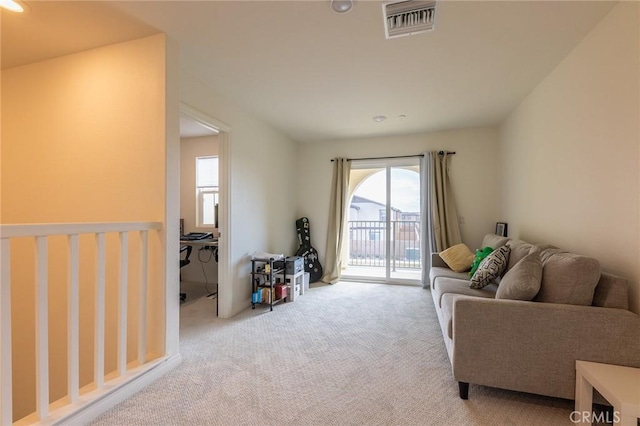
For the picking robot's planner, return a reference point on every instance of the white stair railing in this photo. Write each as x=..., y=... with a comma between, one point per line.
x=6, y=400
x=40, y=233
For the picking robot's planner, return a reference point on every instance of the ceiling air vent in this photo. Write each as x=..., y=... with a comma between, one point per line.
x=408, y=17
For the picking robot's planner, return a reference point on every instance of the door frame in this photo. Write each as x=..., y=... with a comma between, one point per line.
x=385, y=165
x=225, y=213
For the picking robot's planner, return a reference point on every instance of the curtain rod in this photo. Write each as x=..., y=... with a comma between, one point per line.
x=398, y=156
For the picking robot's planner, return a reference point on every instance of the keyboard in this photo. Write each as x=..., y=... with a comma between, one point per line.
x=194, y=236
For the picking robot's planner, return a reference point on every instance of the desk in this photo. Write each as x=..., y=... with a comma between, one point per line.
x=200, y=243
x=204, y=244
x=618, y=384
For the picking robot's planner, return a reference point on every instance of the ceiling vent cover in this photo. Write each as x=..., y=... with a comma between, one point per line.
x=402, y=18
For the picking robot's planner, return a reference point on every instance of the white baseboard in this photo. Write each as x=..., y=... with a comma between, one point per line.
x=117, y=394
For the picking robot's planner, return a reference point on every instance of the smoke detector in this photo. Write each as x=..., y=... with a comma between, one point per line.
x=409, y=17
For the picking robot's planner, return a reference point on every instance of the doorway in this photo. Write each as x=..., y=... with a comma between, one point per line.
x=384, y=222
x=209, y=268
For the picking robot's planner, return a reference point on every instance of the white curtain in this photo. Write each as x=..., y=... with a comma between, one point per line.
x=427, y=242
x=338, y=210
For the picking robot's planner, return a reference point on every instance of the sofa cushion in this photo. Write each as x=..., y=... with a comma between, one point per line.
x=459, y=258
x=447, y=273
x=444, y=285
x=568, y=278
x=522, y=282
x=494, y=241
x=519, y=249
x=491, y=267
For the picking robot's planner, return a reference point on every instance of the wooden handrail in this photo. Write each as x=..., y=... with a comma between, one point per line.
x=47, y=229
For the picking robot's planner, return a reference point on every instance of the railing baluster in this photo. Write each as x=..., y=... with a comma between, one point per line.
x=98, y=356
x=73, y=320
x=368, y=245
x=394, y=241
x=6, y=397
x=142, y=326
x=44, y=412
x=42, y=330
x=122, y=308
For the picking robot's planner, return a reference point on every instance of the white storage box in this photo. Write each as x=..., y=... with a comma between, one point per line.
x=305, y=282
x=295, y=284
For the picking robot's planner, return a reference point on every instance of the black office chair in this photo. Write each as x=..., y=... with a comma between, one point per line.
x=184, y=262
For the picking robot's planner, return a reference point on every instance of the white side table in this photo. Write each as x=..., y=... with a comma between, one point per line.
x=618, y=384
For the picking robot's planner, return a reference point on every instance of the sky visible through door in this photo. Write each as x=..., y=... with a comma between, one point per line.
x=405, y=189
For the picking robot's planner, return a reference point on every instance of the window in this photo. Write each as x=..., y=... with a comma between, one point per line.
x=206, y=191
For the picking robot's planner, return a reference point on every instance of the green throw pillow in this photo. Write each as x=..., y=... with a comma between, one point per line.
x=480, y=255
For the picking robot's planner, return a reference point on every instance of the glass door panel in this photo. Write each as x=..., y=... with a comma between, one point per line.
x=384, y=222
x=367, y=250
x=404, y=252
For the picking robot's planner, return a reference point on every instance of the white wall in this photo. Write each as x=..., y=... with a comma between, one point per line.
x=76, y=148
x=263, y=194
x=474, y=176
x=190, y=148
x=570, y=152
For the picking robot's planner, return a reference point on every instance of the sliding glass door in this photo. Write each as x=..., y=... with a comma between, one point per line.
x=384, y=221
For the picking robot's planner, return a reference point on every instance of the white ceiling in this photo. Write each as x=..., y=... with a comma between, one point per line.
x=48, y=29
x=317, y=75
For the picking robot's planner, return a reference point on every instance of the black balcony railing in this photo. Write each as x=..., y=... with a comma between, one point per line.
x=368, y=243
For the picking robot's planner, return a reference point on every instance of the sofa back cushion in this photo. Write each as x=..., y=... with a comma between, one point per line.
x=612, y=291
x=567, y=278
x=519, y=249
x=494, y=241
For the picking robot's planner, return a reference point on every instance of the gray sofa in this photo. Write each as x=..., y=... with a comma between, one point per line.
x=532, y=346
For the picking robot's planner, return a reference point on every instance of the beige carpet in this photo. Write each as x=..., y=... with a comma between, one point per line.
x=348, y=354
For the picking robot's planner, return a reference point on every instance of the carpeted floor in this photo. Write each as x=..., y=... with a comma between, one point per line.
x=348, y=354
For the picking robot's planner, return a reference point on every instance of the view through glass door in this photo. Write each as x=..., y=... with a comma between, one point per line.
x=384, y=221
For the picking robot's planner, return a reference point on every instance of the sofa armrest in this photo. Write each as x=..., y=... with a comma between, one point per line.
x=436, y=261
x=532, y=346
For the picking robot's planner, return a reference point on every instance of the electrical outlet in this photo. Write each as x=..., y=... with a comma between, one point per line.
x=461, y=220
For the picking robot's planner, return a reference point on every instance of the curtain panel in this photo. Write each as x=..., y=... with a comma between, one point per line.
x=427, y=242
x=446, y=229
x=338, y=210
x=439, y=222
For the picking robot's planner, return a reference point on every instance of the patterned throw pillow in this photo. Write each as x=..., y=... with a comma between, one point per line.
x=491, y=267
